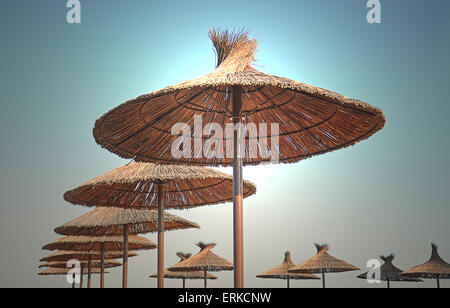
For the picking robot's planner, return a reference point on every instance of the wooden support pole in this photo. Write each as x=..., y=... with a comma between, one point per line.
x=205, y=277
x=238, y=234
x=89, y=271
x=125, y=257
x=323, y=279
x=102, y=265
x=160, y=236
x=81, y=277
x=288, y=283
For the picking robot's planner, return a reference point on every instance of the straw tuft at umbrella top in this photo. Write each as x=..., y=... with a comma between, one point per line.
x=62, y=255
x=85, y=264
x=389, y=272
x=282, y=271
x=191, y=275
x=89, y=243
x=136, y=186
x=65, y=271
x=205, y=260
x=110, y=221
x=433, y=269
x=323, y=263
x=312, y=120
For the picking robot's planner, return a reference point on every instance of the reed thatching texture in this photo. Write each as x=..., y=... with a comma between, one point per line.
x=194, y=275
x=311, y=120
x=65, y=271
x=433, y=269
x=282, y=271
x=62, y=255
x=90, y=243
x=323, y=263
x=205, y=260
x=136, y=186
x=389, y=272
x=110, y=221
x=84, y=264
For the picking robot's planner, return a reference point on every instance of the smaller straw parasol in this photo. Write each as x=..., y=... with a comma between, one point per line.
x=282, y=271
x=94, y=264
x=193, y=275
x=435, y=268
x=65, y=271
x=119, y=221
x=63, y=255
x=323, y=263
x=205, y=261
x=107, y=243
x=389, y=272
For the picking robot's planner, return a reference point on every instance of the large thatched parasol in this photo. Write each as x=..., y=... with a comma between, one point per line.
x=311, y=121
x=118, y=221
x=389, y=272
x=194, y=275
x=282, y=272
x=323, y=263
x=435, y=268
x=205, y=261
x=152, y=186
x=64, y=271
x=100, y=243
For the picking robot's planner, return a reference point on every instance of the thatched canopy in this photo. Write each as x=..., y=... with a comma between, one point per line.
x=389, y=272
x=323, y=262
x=65, y=271
x=90, y=243
x=194, y=275
x=311, y=120
x=434, y=268
x=205, y=260
x=110, y=221
x=282, y=271
x=84, y=264
x=62, y=255
x=136, y=186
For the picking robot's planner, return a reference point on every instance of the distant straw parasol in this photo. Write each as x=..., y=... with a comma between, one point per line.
x=118, y=221
x=107, y=243
x=435, y=268
x=194, y=275
x=65, y=271
x=282, y=272
x=63, y=255
x=389, y=272
x=323, y=263
x=311, y=121
x=152, y=186
x=205, y=261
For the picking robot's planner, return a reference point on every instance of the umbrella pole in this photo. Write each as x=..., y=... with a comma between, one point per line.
x=89, y=271
x=205, y=277
x=102, y=265
x=238, y=233
x=81, y=277
x=323, y=279
x=388, y=284
x=125, y=257
x=73, y=281
x=288, y=283
x=438, y=283
x=184, y=283
x=160, y=236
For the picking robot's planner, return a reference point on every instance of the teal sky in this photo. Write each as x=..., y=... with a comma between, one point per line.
x=387, y=194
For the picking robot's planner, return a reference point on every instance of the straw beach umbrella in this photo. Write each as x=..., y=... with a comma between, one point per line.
x=389, y=272
x=86, y=265
x=323, y=263
x=205, y=261
x=194, y=275
x=282, y=272
x=100, y=243
x=152, y=186
x=435, y=268
x=65, y=271
x=311, y=121
x=118, y=221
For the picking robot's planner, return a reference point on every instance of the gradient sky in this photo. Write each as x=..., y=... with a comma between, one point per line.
x=389, y=194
